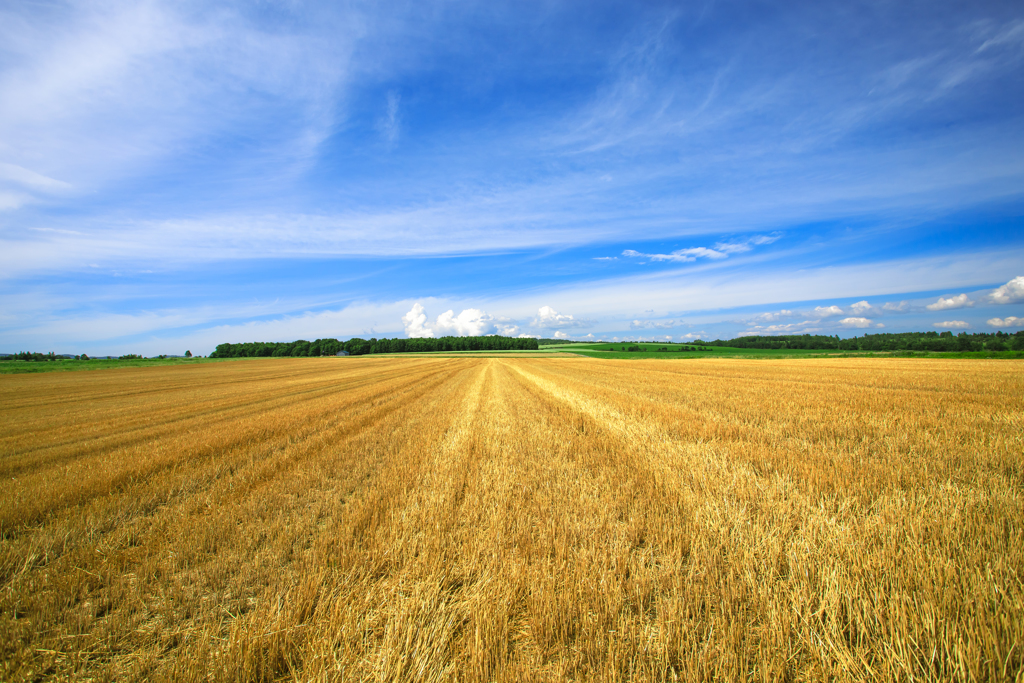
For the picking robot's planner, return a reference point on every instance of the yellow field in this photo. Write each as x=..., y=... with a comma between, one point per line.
x=505, y=519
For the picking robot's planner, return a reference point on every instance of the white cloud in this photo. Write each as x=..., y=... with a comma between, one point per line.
x=389, y=125
x=827, y=311
x=950, y=303
x=804, y=327
x=549, y=318
x=471, y=322
x=679, y=255
x=612, y=298
x=1010, y=293
x=653, y=324
x=200, y=329
x=415, y=322
x=1009, y=321
x=507, y=330
x=745, y=245
x=606, y=258
x=30, y=179
x=901, y=307
x=855, y=322
x=1014, y=32
x=952, y=325
x=862, y=307
x=561, y=335
x=772, y=316
x=13, y=200
x=95, y=91
x=791, y=328
x=721, y=250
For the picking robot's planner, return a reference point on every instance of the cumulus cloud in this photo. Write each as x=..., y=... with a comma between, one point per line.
x=561, y=335
x=549, y=318
x=507, y=330
x=804, y=327
x=952, y=325
x=901, y=307
x=1010, y=293
x=855, y=322
x=415, y=322
x=770, y=316
x=958, y=301
x=789, y=328
x=827, y=311
x=652, y=324
x=862, y=307
x=1009, y=321
x=471, y=322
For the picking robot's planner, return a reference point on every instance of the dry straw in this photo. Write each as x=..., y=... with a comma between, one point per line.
x=514, y=519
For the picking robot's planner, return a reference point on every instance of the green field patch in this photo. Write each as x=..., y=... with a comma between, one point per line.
x=20, y=367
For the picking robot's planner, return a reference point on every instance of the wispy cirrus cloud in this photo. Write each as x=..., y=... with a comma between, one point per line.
x=721, y=250
x=98, y=92
x=744, y=245
x=679, y=255
x=186, y=140
x=389, y=124
x=653, y=324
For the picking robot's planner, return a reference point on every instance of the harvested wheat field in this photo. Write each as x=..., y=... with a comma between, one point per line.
x=507, y=519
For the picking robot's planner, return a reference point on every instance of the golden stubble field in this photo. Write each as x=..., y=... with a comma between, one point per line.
x=514, y=519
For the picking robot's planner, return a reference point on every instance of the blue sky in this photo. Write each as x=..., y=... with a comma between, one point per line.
x=177, y=175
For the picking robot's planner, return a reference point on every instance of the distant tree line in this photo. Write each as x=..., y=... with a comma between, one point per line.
x=34, y=356
x=359, y=347
x=901, y=341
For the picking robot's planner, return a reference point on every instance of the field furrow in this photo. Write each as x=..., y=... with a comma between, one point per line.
x=509, y=519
